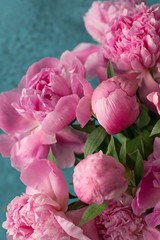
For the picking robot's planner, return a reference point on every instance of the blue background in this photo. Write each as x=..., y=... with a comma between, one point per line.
x=31, y=30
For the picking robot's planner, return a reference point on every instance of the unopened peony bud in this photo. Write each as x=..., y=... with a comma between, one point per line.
x=114, y=103
x=99, y=177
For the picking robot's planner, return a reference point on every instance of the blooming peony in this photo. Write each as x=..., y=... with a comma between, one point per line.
x=114, y=103
x=102, y=14
x=133, y=42
x=119, y=222
x=99, y=177
x=36, y=114
x=148, y=192
x=33, y=217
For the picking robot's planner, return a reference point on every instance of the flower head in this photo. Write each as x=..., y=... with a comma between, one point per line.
x=99, y=177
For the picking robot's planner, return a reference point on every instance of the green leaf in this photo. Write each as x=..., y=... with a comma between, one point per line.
x=144, y=118
x=156, y=128
x=139, y=168
x=113, y=148
x=134, y=144
x=123, y=152
x=91, y=212
x=88, y=128
x=110, y=70
x=51, y=157
x=94, y=140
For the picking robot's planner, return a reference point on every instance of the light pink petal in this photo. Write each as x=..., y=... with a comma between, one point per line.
x=151, y=233
x=72, y=63
x=6, y=144
x=63, y=114
x=57, y=83
x=83, y=50
x=93, y=62
x=33, y=146
x=89, y=228
x=22, y=83
x=46, y=177
x=70, y=135
x=35, y=68
x=83, y=111
x=69, y=227
x=10, y=120
x=64, y=153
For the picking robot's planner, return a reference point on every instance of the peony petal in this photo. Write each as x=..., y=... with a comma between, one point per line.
x=33, y=146
x=151, y=233
x=35, y=68
x=6, y=144
x=63, y=114
x=83, y=111
x=64, y=153
x=72, y=63
x=89, y=228
x=71, y=135
x=69, y=227
x=83, y=50
x=46, y=177
x=10, y=120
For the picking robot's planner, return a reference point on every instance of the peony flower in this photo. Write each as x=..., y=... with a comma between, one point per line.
x=133, y=42
x=38, y=113
x=102, y=14
x=150, y=183
x=114, y=103
x=99, y=177
x=119, y=222
x=33, y=217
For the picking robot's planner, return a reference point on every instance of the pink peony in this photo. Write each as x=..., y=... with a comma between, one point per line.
x=114, y=103
x=119, y=222
x=150, y=183
x=33, y=217
x=133, y=42
x=35, y=115
x=99, y=177
x=102, y=14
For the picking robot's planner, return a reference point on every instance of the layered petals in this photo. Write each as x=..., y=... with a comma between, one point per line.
x=114, y=103
x=45, y=177
x=99, y=177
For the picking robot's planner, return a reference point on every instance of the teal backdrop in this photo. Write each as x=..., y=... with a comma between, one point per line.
x=31, y=30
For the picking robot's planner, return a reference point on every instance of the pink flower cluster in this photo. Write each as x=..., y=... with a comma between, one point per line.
x=55, y=113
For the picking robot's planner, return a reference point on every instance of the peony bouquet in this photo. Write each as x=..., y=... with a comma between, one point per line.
x=111, y=135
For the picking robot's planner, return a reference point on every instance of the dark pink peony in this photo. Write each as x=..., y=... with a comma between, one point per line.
x=37, y=114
